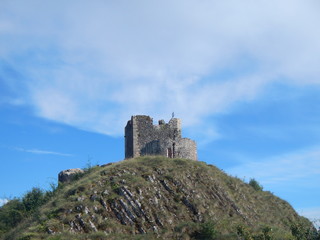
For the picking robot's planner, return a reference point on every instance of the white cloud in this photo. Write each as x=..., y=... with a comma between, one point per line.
x=286, y=168
x=3, y=201
x=92, y=65
x=38, y=151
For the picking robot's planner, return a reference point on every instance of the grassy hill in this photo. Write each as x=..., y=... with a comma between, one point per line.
x=159, y=198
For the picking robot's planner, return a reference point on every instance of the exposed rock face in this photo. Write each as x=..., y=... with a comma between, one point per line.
x=69, y=174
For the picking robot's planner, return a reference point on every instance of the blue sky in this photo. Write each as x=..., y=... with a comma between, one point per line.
x=242, y=76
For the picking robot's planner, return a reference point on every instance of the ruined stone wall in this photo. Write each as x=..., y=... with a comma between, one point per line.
x=133, y=136
x=187, y=148
x=144, y=138
x=146, y=135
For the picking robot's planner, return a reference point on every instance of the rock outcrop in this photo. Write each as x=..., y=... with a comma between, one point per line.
x=69, y=174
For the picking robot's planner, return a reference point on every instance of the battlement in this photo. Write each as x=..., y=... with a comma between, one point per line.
x=142, y=137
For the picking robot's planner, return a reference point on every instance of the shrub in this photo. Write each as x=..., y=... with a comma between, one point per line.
x=256, y=186
x=11, y=214
x=301, y=232
x=243, y=233
x=207, y=232
x=16, y=210
x=33, y=199
x=246, y=234
x=267, y=233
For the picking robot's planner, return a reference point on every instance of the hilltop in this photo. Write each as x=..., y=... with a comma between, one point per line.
x=156, y=197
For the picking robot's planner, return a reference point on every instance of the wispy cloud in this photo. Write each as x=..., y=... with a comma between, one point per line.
x=301, y=165
x=93, y=65
x=3, y=201
x=38, y=151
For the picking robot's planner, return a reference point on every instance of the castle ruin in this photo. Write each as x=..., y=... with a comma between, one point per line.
x=144, y=138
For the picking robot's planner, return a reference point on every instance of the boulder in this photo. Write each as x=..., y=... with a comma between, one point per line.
x=69, y=174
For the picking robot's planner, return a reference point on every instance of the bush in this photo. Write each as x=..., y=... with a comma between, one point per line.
x=11, y=214
x=33, y=199
x=243, y=233
x=246, y=234
x=256, y=186
x=207, y=232
x=301, y=232
x=16, y=210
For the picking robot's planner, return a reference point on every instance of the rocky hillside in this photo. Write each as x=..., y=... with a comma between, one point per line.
x=156, y=197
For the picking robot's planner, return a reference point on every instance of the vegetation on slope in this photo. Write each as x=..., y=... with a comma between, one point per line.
x=154, y=197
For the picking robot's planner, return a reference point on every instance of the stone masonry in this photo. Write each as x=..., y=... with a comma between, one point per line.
x=144, y=138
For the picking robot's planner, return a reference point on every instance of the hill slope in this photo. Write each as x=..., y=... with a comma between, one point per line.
x=151, y=197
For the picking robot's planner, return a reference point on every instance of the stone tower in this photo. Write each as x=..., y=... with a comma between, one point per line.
x=144, y=138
